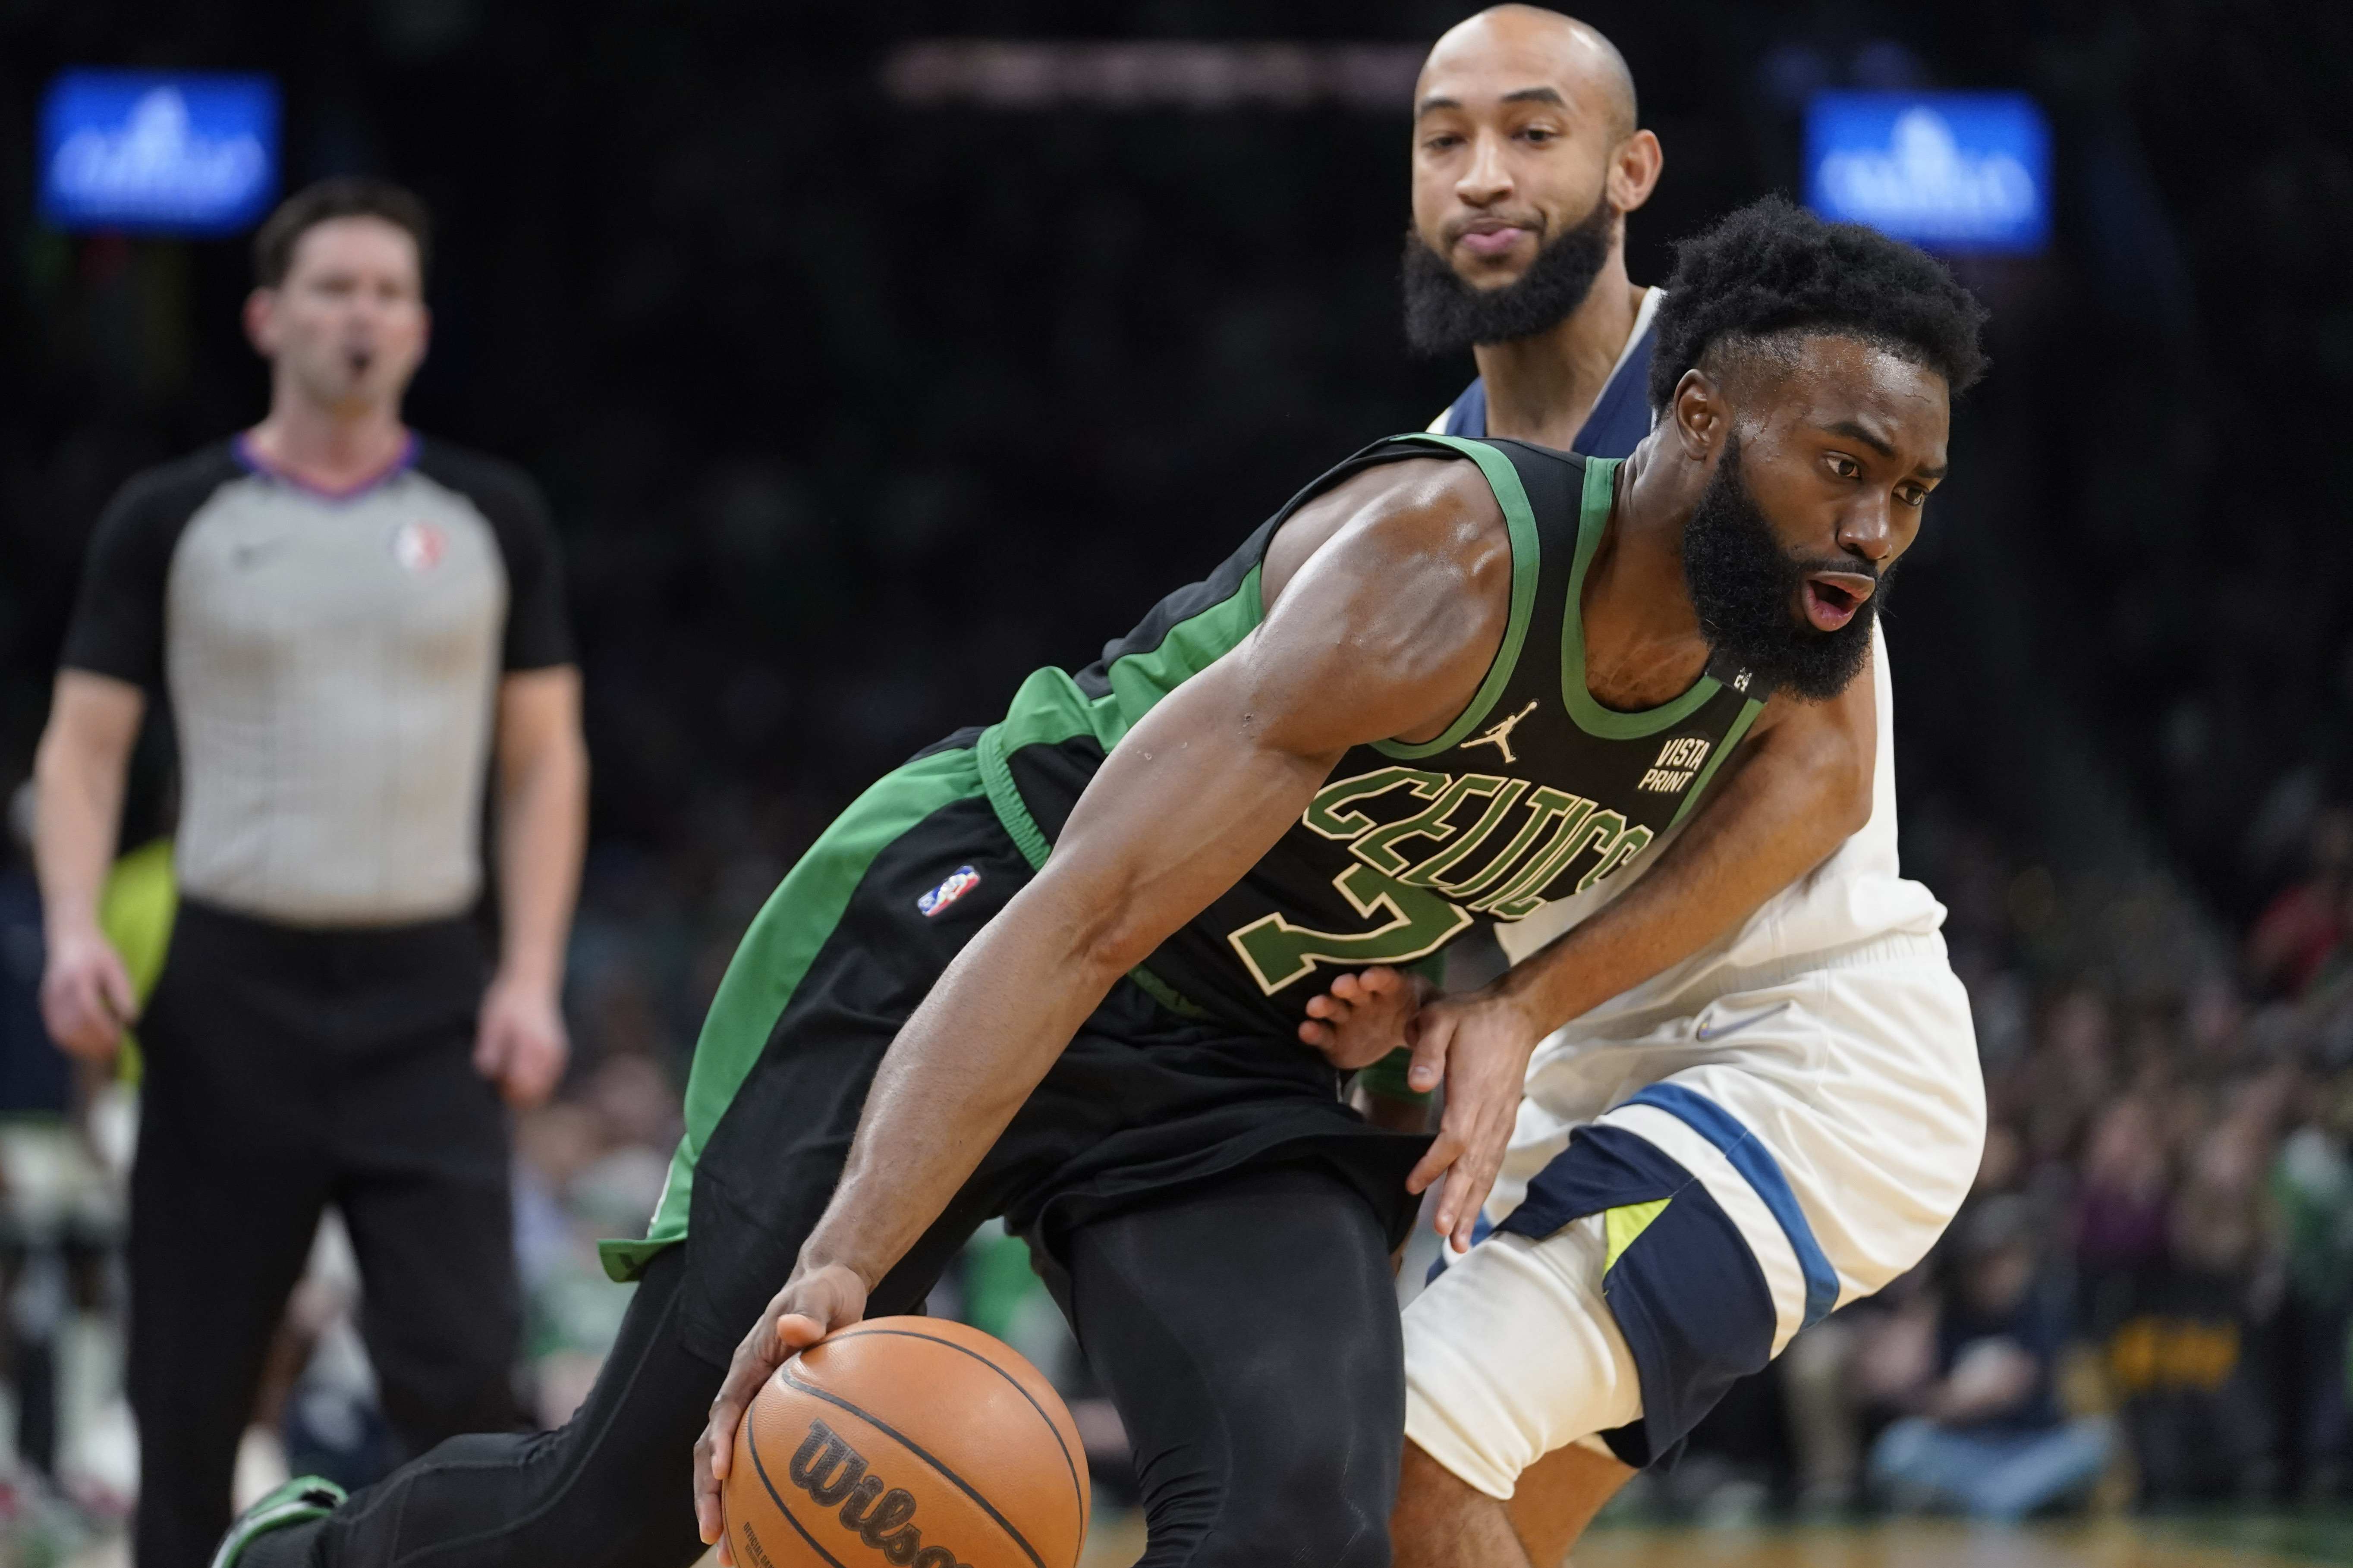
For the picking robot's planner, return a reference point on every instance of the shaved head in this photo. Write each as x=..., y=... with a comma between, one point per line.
x=1526, y=159
x=1554, y=51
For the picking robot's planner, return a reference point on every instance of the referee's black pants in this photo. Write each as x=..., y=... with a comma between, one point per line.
x=286, y=1069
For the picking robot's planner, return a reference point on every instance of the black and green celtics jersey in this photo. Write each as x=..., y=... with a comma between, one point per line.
x=1534, y=792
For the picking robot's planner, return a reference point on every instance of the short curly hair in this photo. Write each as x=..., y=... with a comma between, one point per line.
x=1772, y=268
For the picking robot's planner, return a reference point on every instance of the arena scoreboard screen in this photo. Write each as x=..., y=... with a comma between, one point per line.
x=167, y=153
x=1950, y=170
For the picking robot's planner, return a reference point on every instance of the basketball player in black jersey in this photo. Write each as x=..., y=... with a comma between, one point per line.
x=1054, y=969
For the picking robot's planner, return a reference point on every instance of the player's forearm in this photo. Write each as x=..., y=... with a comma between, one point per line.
x=543, y=830
x=1782, y=812
x=1179, y=812
x=959, y=1070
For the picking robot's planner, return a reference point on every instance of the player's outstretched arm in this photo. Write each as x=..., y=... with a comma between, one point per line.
x=1798, y=789
x=1389, y=602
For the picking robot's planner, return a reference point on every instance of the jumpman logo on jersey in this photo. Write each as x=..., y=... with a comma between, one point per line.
x=1499, y=736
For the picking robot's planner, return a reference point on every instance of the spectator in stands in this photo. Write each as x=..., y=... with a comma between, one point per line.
x=2192, y=1405
x=2303, y=923
x=2122, y=1211
x=32, y=1076
x=2312, y=1190
x=1988, y=1438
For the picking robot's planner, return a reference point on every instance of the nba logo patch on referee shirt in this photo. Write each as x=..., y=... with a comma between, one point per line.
x=418, y=545
x=963, y=880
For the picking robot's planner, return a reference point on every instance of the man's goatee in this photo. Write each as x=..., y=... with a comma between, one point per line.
x=1444, y=315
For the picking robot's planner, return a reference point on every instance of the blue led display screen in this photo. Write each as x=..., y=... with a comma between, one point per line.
x=1954, y=170
x=183, y=152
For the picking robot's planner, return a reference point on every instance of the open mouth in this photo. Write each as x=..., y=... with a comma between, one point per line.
x=359, y=360
x=1831, y=598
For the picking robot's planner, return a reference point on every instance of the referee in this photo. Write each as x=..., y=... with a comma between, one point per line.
x=353, y=628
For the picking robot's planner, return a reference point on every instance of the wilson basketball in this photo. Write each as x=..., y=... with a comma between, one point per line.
x=908, y=1442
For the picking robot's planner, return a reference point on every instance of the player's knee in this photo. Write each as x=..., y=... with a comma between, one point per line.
x=1325, y=1514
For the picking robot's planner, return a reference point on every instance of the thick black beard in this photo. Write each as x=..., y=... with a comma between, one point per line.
x=1745, y=589
x=1444, y=315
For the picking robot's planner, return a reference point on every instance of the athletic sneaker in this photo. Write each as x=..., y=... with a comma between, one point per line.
x=299, y=1501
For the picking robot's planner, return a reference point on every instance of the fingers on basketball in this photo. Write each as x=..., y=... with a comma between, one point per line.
x=911, y=1443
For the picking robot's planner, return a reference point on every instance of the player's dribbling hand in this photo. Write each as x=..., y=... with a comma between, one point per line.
x=1478, y=1044
x=1362, y=1018
x=810, y=1306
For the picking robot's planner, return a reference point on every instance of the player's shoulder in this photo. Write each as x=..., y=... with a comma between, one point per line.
x=1412, y=508
x=1529, y=454
x=492, y=483
x=1418, y=484
x=1529, y=485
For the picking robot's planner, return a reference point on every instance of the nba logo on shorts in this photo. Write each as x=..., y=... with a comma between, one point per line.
x=418, y=545
x=962, y=881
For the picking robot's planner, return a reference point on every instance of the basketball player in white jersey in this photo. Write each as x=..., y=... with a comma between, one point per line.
x=1771, y=1127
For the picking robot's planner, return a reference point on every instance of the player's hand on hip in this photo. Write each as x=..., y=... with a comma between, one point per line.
x=519, y=1042
x=1363, y=1016
x=87, y=998
x=810, y=1306
x=1478, y=1044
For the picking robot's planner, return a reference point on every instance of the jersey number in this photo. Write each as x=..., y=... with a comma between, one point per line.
x=1418, y=924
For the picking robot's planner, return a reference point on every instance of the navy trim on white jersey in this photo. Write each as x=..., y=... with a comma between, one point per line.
x=1621, y=417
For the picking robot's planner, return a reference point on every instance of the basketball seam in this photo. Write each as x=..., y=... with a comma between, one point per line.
x=752, y=1436
x=906, y=1442
x=1077, y=1492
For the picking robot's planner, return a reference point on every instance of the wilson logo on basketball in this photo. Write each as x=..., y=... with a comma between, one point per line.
x=832, y=1472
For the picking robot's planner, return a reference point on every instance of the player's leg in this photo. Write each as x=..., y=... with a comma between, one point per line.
x=1247, y=1330
x=1440, y=1517
x=423, y=1184
x=609, y=1487
x=1558, y=1496
x=225, y=1196
x=811, y=1003
x=1513, y=1362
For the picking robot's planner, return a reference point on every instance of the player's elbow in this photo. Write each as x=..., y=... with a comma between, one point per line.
x=1103, y=933
x=1109, y=944
x=1827, y=778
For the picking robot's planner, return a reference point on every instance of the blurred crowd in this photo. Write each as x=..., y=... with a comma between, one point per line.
x=2144, y=1301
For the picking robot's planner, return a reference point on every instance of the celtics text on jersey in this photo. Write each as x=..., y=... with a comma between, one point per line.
x=1533, y=793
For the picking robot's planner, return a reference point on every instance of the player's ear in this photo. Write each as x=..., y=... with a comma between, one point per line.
x=1699, y=414
x=1634, y=165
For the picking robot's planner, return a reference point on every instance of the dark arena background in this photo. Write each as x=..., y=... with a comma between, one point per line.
x=874, y=356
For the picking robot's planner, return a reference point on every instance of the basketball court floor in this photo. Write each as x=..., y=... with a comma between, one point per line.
x=2238, y=1541
x=2216, y=1541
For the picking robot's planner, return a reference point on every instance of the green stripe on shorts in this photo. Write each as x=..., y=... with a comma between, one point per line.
x=771, y=960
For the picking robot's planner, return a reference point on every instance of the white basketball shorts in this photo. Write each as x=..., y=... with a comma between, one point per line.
x=1687, y=1187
